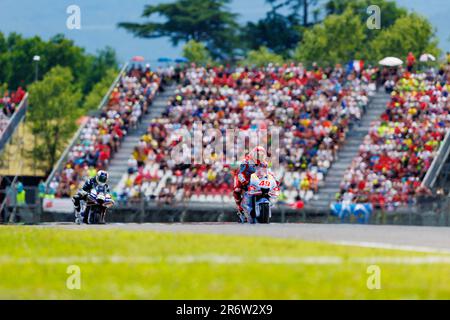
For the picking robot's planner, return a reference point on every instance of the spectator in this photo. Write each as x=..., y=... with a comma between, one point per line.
x=8, y=106
x=411, y=60
x=102, y=135
x=313, y=109
x=20, y=194
x=402, y=144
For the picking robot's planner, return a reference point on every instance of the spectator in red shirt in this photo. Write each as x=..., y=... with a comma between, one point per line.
x=411, y=60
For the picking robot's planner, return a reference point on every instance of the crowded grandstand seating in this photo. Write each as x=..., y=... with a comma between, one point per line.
x=313, y=108
x=8, y=106
x=402, y=144
x=101, y=136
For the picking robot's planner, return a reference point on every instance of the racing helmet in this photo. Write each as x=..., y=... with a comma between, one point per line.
x=258, y=154
x=102, y=177
x=262, y=169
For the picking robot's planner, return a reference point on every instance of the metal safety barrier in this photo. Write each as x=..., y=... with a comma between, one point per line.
x=438, y=162
x=14, y=122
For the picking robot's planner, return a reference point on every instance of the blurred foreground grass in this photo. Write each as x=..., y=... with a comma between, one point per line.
x=123, y=264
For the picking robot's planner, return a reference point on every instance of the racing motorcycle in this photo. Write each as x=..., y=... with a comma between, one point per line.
x=261, y=194
x=97, y=203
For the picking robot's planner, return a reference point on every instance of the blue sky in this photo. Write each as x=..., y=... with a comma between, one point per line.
x=99, y=18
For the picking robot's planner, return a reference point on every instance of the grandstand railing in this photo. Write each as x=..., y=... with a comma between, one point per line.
x=438, y=162
x=77, y=134
x=14, y=121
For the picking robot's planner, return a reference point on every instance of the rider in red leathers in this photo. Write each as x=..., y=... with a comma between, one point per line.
x=242, y=176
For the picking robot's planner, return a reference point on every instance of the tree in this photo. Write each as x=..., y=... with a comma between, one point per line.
x=297, y=6
x=207, y=21
x=17, y=67
x=338, y=39
x=388, y=9
x=93, y=99
x=196, y=52
x=262, y=57
x=411, y=33
x=52, y=113
x=16, y=58
x=5, y=65
x=60, y=51
x=3, y=89
x=277, y=32
x=99, y=66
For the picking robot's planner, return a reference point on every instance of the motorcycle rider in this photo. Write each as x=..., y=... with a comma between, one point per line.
x=101, y=179
x=248, y=166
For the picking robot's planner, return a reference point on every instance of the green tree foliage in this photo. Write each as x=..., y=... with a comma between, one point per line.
x=207, y=21
x=277, y=32
x=196, y=52
x=98, y=67
x=5, y=65
x=344, y=36
x=262, y=57
x=3, y=89
x=300, y=9
x=53, y=109
x=285, y=24
x=338, y=39
x=17, y=67
x=411, y=33
x=16, y=55
x=93, y=99
x=388, y=9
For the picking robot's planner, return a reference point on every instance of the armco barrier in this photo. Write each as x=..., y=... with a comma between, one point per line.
x=431, y=211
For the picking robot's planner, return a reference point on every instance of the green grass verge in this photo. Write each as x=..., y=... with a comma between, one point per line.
x=116, y=264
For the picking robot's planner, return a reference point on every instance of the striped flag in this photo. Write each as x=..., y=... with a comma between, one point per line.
x=356, y=65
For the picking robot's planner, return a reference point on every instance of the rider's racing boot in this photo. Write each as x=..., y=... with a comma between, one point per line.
x=242, y=217
x=78, y=218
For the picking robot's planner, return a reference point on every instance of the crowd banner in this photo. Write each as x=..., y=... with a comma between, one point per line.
x=362, y=211
x=61, y=205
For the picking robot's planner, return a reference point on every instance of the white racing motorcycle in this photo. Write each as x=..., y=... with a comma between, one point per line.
x=261, y=194
x=97, y=203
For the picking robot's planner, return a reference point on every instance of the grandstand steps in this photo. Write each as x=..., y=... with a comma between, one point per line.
x=348, y=152
x=119, y=163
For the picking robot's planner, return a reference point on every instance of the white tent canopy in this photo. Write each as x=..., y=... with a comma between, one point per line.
x=391, y=62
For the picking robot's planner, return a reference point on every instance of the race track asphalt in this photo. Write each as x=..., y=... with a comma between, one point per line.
x=415, y=238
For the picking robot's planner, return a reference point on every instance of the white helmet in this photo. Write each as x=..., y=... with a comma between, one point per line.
x=102, y=177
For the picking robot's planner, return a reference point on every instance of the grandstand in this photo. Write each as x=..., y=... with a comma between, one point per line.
x=334, y=124
x=323, y=103
x=101, y=136
x=401, y=145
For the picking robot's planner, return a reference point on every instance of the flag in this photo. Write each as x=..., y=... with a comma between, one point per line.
x=355, y=65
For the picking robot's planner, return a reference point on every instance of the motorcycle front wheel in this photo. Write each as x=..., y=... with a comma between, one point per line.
x=264, y=213
x=94, y=215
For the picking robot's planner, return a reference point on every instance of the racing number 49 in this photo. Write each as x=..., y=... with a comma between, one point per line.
x=264, y=183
